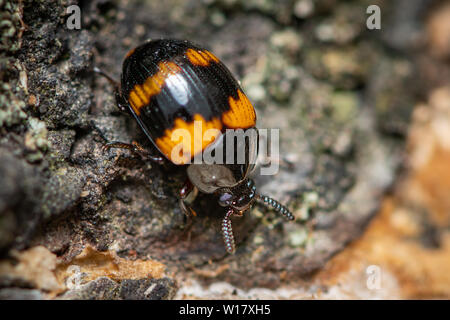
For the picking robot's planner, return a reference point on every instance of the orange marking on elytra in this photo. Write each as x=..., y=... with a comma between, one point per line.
x=241, y=113
x=200, y=58
x=196, y=142
x=129, y=53
x=211, y=56
x=140, y=95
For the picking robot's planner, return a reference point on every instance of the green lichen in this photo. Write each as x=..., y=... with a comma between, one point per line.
x=309, y=202
x=298, y=238
x=345, y=106
x=36, y=141
x=11, y=27
x=258, y=240
x=11, y=106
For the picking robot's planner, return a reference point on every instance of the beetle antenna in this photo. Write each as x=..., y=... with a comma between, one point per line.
x=228, y=232
x=275, y=205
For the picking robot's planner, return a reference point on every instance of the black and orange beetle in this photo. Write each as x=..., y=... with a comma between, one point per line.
x=172, y=84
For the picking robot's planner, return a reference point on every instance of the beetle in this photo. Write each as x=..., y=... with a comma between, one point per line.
x=169, y=85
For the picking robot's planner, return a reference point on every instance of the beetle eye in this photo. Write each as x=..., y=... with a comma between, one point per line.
x=225, y=199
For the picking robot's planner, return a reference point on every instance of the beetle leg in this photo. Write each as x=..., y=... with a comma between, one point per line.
x=278, y=207
x=135, y=148
x=187, y=210
x=185, y=191
x=227, y=231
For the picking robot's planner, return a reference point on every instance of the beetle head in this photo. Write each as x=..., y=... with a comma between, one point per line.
x=240, y=197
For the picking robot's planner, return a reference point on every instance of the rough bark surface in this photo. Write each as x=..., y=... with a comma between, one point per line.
x=340, y=94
